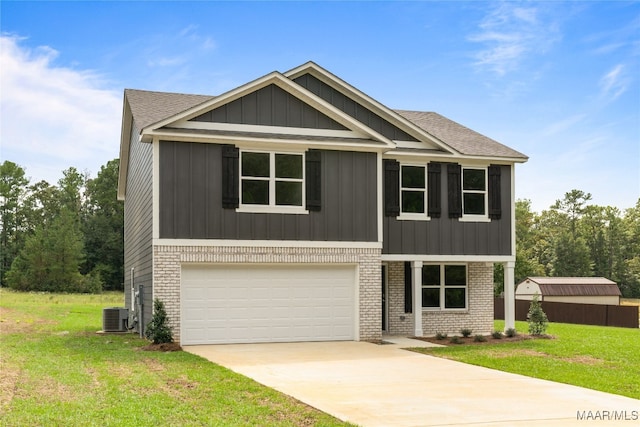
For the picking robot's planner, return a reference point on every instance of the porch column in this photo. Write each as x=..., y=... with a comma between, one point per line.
x=416, y=275
x=509, y=295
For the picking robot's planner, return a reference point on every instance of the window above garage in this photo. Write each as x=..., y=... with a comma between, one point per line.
x=271, y=180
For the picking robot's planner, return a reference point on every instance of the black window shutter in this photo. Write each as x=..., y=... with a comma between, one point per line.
x=313, y=180
x=408, y=288
x=454, y=188
x=495, y=201
x=230, y=177
x=391, y=187
x=434, y=191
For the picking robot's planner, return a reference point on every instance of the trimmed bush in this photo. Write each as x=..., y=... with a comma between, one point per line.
x=465, y=332
x=497, y=335
x=440, y=336
x=511, y=332
x=480, y=338
x=536, y=317
x=158, y=329
x=455, y=340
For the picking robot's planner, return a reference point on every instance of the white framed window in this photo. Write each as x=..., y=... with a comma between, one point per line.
x=271, y=181
x=474, y=193
x=413, y=191
x=444, y=286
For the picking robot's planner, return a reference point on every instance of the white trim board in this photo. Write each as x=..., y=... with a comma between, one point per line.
x=266, y=243
x=448, y=258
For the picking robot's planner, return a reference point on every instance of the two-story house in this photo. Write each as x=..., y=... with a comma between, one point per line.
x=297, y=208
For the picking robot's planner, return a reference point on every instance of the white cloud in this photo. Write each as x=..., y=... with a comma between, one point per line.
x=54, y=117
x=614, y=83
x=510, y=34
x=563, y=125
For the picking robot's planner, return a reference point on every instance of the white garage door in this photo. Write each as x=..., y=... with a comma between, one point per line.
x=274, y=303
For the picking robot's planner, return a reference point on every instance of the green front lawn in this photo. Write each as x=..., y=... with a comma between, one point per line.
x=56, y=371
x=596, y=357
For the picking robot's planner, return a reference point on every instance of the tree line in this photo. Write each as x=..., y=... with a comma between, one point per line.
x=61, y=238
x=576, y=238
x=69, y=237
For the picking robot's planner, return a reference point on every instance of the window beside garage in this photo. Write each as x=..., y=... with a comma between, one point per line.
x=444, y=286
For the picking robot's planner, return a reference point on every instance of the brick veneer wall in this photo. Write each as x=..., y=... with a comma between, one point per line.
x=167, y=261
x=478, y=316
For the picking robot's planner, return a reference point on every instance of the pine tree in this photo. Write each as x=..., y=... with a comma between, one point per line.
x=158, y=329
x=51, y=258
x=536, y=317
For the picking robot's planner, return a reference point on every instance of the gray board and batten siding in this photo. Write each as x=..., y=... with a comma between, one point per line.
x=191, y=200
x=450, y=236
x=352, y=108
x=270, y=106
x=138, y=224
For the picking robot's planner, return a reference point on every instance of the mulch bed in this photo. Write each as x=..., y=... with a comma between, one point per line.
x=170, y=346
x=490, y=340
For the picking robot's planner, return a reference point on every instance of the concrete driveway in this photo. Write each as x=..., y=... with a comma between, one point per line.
x=383, y=385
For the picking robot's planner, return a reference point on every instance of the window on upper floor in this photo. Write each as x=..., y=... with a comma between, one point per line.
x=444, y=286
x=270, y=179
x=474, y=192
x=413, y=190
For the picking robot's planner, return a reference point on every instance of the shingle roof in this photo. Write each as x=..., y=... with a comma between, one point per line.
x=575, y=286
x=148, y=107
x=459, y=137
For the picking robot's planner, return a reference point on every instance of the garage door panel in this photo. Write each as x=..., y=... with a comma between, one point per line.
x=267, y=303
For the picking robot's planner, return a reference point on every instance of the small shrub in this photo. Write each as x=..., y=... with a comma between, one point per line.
x=480, y=338
x=440, y=336
x=158, y=329
x=455, y=340
x=511, y=332
x=497, y=335
x=466, y=332
x=536, y=317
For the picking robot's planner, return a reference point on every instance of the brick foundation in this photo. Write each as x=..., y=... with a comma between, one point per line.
x=167, y=262
x=478, y=317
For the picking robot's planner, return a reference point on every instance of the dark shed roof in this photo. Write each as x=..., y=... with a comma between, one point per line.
x=575, y=286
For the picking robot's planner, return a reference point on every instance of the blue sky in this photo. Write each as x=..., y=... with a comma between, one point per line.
x=558, y=81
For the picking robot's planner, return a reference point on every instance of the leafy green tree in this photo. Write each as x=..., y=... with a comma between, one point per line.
x=13, y=191
x=71, y=188
x=526, y=261
x=41, y=205
x=571, y=257
x=549, y=224
x=630, y=280
x=103, y=227
x=573, y=206
x=51, y=258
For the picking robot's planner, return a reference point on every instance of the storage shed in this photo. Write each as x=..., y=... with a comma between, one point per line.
x=580, y=290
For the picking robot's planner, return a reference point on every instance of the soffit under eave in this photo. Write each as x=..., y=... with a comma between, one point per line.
x=267, y=141
x=400, y=153
x=289, y=86
x=368, y=102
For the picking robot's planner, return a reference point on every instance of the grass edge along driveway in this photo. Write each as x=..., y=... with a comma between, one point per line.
x=597, y=357
x=55, y=370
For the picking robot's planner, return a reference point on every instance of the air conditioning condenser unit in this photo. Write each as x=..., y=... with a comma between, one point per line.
x=115, y=319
